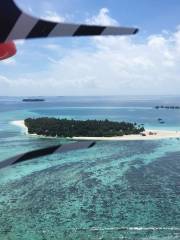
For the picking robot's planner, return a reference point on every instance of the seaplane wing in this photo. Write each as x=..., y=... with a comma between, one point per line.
x=15, y=24
x=46, y=151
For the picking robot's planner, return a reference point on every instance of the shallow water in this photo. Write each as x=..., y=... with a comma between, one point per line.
x=116, y=190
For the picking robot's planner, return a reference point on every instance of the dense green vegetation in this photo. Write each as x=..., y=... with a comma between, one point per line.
x=76, y=128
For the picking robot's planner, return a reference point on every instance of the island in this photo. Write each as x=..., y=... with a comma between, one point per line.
x=53, y=127
x=33, y=100
x=148, y=134
x=167, y=107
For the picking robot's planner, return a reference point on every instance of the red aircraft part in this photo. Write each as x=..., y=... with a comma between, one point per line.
x=7, y=50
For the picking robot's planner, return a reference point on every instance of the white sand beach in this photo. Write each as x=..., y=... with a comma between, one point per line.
x=149, y=134
x=21, y=124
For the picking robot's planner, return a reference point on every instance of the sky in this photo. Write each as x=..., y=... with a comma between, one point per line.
x=147, y=64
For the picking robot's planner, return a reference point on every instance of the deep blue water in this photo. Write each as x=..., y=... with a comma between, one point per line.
x=116, y=190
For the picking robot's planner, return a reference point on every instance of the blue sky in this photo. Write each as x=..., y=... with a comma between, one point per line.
x=144, y=64
x=150, y=15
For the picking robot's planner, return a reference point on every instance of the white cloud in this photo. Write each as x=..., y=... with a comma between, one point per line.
x=52, y=60
x=20, y=42
x=119, y=66
x=4, y=80
x=54, y=47
x=114, y=65
x=53, y=16
x=9, y=61
x=102, y=18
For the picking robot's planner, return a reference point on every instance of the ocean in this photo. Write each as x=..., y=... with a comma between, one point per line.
x=116, y=190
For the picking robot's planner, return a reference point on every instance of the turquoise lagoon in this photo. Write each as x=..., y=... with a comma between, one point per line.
x=116, y=190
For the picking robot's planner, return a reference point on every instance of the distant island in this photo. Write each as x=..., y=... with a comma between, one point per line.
x=167, y=107
x=53, y=127
x=33, y=100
